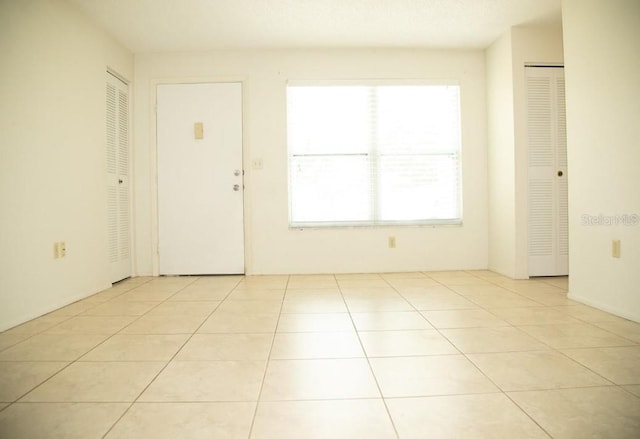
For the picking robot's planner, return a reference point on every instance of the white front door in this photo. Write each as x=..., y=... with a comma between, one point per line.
x=200, y=179
x=548, y=189
x=117, y=151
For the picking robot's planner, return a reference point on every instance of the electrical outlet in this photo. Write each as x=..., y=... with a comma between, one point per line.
x=615, y=248
x=63, y=249
x=56, y=250
x=257, y=163
x=392, y=242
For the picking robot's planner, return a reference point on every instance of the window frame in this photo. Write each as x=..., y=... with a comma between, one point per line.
x=374, y=198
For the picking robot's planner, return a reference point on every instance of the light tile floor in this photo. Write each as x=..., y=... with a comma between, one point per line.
x=400, y=355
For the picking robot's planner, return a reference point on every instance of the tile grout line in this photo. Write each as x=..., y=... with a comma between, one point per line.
x=527, y=414
x=503, y=392
x=138, y=317
x=69, y=362
x=77, y=359
x=545, y=306
x=375, y=378
x=559, y=351
x=162, y=369
x=149, y=310
x=453, y=344
x=551, y=349
x=268, y=361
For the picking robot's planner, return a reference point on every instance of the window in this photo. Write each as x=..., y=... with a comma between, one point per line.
x=373, y=154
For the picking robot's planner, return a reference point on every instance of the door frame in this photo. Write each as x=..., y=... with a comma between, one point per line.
x=130, y=109
x=153, y=159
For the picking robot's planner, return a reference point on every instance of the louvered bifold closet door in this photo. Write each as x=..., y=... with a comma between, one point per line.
x=547, y=172
x=118, y=202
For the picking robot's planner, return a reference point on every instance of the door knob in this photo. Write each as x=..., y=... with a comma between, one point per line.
x=559, y=173
x=236, y=187
x=119, y=181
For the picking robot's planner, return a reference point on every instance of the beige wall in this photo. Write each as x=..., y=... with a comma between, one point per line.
x=271, y=246
x=602, y=61
x=52, y=166
x=501, y=161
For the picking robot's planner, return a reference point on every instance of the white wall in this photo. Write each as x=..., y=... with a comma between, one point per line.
x=507, y=143
x=602, y=59
x=501, y=162
x=271, y=246
x=52, y=185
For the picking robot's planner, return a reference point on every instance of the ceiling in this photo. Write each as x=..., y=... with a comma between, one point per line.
x=194, y=25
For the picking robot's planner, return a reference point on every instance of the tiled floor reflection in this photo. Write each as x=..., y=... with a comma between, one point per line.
x=396, y=355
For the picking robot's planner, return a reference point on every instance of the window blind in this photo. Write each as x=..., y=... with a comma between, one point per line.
x=373, y=154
